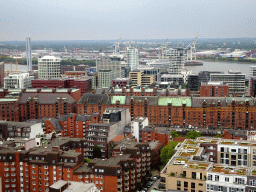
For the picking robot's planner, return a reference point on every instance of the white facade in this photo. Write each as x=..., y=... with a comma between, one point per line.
x=113, y=64
x=138, y=124
x=105, y=78
x=235, y=81
x=185, y=74
x=225, y=182
x=177, y=60
x=132, y=58
x=48, y=67
x=20, y=81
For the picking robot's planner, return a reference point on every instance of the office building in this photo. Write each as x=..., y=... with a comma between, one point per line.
x=113, y=63
x=20, y=80
x=49, y=67
x=132, y=58
x=204, y=76
x=193, y=83
x=105, y=77
x=177, y=60
x=121, y=82
x=178, y=79
x=214, y=89
x=140, y=79
x=234, y=80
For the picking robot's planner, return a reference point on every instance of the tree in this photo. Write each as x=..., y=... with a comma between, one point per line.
x=220, y=136
x=96, y=153
x=193, y=135
x=87, y=160
x=175, y=134
x=168, y=151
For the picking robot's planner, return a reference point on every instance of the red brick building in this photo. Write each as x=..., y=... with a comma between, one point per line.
x=223, y=112
x=9, y=109
x=120, y=82
x=214, y=90
x=85, y=85
x=45, y=105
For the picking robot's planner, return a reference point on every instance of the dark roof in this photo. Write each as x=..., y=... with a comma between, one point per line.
x=152, y=100
x=83, y=117
x=46, y=98
x=94, y=98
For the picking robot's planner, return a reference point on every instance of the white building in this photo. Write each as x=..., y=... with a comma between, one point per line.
x=137, y=125
x=132, y=58
x=113, y=63
x=48, y=67
x=235, y=81
x=185, y=74
x=177, y=60
x=19, y=80
x=105, y=78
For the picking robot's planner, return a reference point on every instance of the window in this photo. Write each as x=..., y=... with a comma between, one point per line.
x=59, y=173
x=59, y=167
x=80, y=176
x=68, y=175
x=46, y=184
x=46, y=166
x=217, y=177
x=209, y=177
x=185, y=184
x=33, y=166
x=68, y=169
x=252, y=182
x=178, y=183
x=193, y=185
x=220, y=188
x=227, y=179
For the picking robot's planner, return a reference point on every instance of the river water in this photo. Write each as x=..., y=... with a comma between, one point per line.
x=221, y=66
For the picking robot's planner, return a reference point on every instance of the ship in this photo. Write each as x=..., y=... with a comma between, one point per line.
x=193, y=63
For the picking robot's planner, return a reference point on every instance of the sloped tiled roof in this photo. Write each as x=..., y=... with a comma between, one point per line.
x=94, y=98
x=46, y=98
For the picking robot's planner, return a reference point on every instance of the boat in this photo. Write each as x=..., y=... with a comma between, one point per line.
x=193, y=63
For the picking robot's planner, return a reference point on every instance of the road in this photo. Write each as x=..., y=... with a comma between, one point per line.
x=154, y=185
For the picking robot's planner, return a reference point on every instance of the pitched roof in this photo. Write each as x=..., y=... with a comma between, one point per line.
x=46, y=98
x=94, y=98
x=118, y=138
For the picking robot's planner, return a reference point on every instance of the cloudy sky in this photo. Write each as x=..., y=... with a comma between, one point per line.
x=137, y=19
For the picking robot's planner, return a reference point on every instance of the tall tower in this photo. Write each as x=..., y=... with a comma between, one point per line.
x=28, y=52
x=132, y=57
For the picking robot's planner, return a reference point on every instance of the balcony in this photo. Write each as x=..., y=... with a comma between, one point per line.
x=138, y=160
x=148, y=154
x=126, y=184
x=132, y=171
x=143, y=160
x=126, y=172
x=133, y=187
x=143, y=164
x=132, y=176
x=126, y=189
x=143, y=155
x=148, y=159
x=119, y=180
x=143, y=169
x=138, y=176
x=119, y=185
x=138, y=170
x=138, y=165
x=144, y=174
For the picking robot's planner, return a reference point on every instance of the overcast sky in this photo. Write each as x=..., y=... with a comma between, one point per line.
x=137, y=19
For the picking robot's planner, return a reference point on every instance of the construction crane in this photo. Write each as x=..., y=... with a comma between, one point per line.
x=192, y=48
x=117, y=45
x=163, y=49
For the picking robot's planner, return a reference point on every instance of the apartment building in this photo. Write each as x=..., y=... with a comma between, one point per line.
x=112, y=63
x=177, y=60
x=35, y=170
x=66, y=186
x=139, y=78
x=11, y=129
x=9, y=109
x=193, y=167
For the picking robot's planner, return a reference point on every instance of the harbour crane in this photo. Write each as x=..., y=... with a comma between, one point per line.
x=163, y=49
x=192, y=48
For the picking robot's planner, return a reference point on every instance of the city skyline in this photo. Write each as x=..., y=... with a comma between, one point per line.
x=77, y=20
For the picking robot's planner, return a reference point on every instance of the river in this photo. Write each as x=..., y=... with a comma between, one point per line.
x=221, y=66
